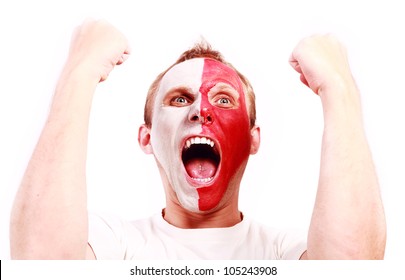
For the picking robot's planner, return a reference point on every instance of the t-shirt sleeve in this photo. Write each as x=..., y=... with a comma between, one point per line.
x=291, y=245
x=107, y=237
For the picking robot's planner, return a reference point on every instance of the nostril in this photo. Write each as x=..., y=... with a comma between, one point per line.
x=195, y=118
x=207, y=117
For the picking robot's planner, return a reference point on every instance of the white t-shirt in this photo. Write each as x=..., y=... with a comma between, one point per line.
x=156, y=239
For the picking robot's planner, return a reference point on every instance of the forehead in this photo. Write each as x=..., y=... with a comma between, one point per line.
x=199, y=74
x=187, y=73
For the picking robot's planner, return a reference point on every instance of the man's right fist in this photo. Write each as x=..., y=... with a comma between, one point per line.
x=96, y=47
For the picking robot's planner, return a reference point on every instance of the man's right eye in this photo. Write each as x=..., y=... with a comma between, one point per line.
x=180, y=101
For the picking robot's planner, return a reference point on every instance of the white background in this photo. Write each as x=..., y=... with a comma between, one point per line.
x=257, y=37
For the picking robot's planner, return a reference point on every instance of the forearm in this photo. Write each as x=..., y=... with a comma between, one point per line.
x=348, y=218
x=49, y=218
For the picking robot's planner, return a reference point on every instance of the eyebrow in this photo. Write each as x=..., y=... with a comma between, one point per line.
x=221, y=86
x=181, y=89
x=178, y=89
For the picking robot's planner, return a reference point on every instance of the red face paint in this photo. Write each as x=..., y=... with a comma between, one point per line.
x=229, y=126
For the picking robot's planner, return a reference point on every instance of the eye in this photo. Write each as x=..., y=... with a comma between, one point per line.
x=224, y=101
x=180, y=101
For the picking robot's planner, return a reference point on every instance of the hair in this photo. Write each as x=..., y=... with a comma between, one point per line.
x=199, y=50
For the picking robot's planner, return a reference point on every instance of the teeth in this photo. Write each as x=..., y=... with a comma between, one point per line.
x=199, y=140
x=203, y=180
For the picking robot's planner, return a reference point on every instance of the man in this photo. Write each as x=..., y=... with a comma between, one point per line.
x=200, y=127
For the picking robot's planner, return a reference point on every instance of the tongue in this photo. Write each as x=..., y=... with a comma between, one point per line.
x=201, y=168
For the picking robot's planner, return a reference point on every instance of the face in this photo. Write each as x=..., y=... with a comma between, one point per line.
x=200, y=132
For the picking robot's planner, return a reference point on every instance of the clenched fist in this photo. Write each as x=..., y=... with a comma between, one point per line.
x=96, y=47
x=323, y=64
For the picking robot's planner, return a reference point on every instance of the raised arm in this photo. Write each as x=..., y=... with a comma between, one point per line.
x=49, y=217
x=348, y=219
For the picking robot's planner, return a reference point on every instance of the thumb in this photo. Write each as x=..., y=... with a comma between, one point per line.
x=297, y=67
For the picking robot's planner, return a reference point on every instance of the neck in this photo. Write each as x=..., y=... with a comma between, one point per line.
x=179, y=217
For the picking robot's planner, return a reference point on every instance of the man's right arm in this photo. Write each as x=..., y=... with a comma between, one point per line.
x=49, y=216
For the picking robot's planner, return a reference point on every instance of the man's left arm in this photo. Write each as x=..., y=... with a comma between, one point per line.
x=348, y=219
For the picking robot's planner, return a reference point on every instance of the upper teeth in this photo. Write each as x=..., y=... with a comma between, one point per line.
x=199, y=140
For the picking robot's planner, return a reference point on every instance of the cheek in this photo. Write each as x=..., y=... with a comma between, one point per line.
x=231, y=128
x=167, y=120
x=235, y=138
x=163, y=136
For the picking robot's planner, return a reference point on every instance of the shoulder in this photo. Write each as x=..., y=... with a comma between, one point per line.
x=112, y=237
x=288, y=243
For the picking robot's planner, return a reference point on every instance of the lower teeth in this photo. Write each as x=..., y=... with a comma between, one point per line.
x=203, y=180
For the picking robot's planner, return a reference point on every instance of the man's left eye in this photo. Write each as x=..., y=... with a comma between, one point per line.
x=224, y=102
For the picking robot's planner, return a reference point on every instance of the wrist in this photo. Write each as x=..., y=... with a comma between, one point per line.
x=341, y=102
x=86, y=72
x=75, y=89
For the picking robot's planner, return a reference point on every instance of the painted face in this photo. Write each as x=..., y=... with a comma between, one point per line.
x=200, y=132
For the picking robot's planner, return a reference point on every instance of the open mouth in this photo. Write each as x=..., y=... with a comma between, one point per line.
x=201, y=159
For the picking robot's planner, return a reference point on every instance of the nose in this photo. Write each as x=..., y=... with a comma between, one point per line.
x=204, y=116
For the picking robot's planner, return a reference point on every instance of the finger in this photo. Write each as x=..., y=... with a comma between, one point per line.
x=122, y=58
x=304, y=81
x=295, y=64
x=128, y=50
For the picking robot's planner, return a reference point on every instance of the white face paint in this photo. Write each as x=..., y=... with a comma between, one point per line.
x=170, y=126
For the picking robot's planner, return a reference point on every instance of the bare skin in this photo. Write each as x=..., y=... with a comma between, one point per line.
x=348, y=219
x=49, y=217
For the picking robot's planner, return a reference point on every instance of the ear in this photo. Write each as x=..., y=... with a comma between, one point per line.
x=144, y=139
x=255, y=140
